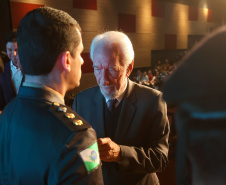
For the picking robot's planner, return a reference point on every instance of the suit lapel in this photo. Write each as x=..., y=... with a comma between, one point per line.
x=127, y=113
x=98, y=114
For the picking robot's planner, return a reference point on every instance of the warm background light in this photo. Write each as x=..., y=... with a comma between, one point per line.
x=151, y=24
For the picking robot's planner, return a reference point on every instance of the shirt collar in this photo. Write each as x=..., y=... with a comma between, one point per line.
x=12, y=65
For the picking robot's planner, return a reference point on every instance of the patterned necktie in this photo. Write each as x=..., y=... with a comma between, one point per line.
x=111, y=104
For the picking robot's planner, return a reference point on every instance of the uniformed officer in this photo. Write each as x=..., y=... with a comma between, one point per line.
x=41, y=140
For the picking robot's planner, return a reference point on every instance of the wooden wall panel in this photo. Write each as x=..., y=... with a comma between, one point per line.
x=85, y=4
x=210, y=16
x=196, y=28
x=144, y=19
x=158, y=9
x=193, y=13
x=19, y=10
x=154, y=20
x=203, y=13
x=176, y=17
x=30, y=1
x=127, y=23
x=142, y=44
x=87, y=38
x=182, y=41
x=61, y=5
x=107, y=16
x=87, y=67
x=87, y=80
x=87, y=19
x=170, y=41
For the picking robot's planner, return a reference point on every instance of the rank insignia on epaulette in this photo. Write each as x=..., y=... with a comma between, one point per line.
x=78, y=122
x=70, y=115
x=56, y=104
x=62, y=109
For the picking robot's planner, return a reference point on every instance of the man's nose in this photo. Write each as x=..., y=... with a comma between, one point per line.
x=104, y=77
x=14, y=53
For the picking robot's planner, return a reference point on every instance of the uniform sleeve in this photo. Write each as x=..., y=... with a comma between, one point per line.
x=154, y=157
x=71, y=167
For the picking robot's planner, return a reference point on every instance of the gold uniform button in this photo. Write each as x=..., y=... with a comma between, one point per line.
x=62, y=109
x=78, y=122
x=70, y=115
x=56, y=104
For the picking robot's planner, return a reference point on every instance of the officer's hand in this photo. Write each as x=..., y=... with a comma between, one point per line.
x=109, y=150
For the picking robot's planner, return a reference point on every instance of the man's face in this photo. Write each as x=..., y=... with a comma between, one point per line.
x=11, y=48
x=109, y=72
x=77, y=62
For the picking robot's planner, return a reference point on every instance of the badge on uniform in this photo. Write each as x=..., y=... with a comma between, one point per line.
x=78, y=122
x=62, y=109
x=90, y=157
x=70, y=115
x=56, y=104
x=64, y=112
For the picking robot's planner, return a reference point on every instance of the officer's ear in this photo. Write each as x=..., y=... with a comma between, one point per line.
x=129, y=68
x=65, y=59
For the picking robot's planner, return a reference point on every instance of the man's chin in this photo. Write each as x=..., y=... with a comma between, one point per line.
x=74, y=85
x=108, y=95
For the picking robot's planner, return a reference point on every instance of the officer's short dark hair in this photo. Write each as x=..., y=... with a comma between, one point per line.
x=11, y=37
x=42, y=35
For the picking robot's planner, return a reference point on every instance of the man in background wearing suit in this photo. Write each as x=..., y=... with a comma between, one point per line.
x=11, y=78
x=133, y=130
x=42, y=141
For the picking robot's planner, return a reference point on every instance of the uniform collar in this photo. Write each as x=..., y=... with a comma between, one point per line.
x=48, y=93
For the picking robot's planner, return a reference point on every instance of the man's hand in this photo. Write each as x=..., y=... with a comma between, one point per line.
x=109, y=150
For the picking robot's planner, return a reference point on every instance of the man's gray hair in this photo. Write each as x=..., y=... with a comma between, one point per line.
x=111, y=38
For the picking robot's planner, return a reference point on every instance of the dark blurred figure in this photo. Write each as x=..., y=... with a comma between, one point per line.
x=198, y=89
x=42, y=141
x=1, y=65
x=12, y=77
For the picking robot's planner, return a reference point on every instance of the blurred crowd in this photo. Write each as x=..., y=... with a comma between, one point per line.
x=154, y=77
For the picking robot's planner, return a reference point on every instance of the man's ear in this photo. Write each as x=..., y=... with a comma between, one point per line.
x=65, y=59
x=129, y=68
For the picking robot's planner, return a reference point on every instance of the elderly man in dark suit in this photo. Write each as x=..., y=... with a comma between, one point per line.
x=133, y=130
x=42, y=141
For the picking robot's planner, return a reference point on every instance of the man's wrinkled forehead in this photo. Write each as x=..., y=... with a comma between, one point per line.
x=108, y=50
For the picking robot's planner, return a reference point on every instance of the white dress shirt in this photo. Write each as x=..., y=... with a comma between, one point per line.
x=16, y=75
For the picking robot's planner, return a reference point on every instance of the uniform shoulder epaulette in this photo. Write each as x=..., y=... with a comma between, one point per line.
x=69, y=117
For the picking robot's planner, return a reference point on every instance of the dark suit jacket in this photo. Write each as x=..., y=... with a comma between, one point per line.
x=40, y=145
x=7, y=91
x=1, y=65
x=142, y=133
